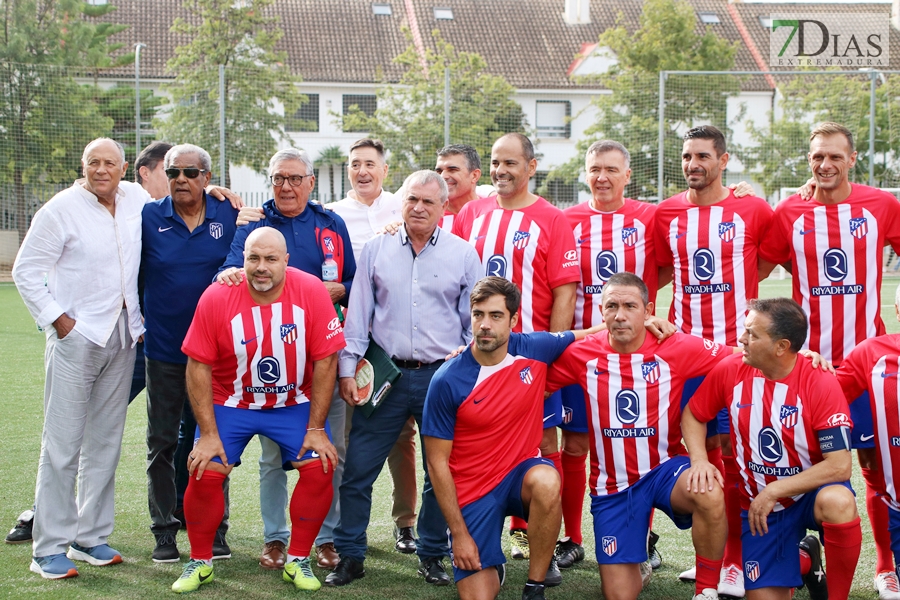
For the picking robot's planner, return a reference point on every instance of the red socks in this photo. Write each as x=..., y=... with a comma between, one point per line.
x=310, y=502
x=715, y=458
x=732, y=512
x=878, y=517
x=574, y=487
x=204, y=505
x=842, y=544
x=707, y=574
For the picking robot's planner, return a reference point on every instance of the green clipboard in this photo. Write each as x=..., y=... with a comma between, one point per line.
x=375, y=374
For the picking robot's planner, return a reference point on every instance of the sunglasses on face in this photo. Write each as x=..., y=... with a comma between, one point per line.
x=189, y=172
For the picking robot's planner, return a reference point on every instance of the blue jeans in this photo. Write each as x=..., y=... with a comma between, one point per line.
x=371, y=440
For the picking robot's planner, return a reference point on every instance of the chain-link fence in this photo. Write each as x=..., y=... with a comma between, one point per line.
x=48, y=114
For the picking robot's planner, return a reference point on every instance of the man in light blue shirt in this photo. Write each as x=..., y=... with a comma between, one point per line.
x=411, y=292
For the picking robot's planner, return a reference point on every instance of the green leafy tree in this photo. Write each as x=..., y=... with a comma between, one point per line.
x=117, y=103
x=259, y=89
x=778, y=157
x=666, y=40
x=332, y=158
x=45, y=116
x=410, y=116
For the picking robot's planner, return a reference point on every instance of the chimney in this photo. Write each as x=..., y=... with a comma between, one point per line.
x=578, y=12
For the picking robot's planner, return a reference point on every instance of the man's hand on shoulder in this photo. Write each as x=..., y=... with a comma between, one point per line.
x=741, y=189
x=391, y=228
x=223, y=193
x=818, y=361
x=661, y=329
x=231, y=276
x=250, y=214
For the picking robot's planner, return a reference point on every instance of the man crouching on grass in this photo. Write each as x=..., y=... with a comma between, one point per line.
x=262, y=360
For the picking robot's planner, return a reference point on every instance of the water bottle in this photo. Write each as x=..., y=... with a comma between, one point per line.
x=329, y=268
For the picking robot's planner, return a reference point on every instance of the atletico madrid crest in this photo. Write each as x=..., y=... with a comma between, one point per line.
x=751, y=567
x=329, y=244
x=726, y=231
x=629, y=236
x=216, y=230
x=289, y=333
x=789, y=415
x=521, y=239
x=859, y=227
x=650, y=371
x=525, y=375
x=609, y=545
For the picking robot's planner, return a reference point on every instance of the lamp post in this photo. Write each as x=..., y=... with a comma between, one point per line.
x=137, y=99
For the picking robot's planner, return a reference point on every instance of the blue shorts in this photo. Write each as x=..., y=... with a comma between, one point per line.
x=484, y=517
x=285, y=426
x=622, y=520
x=553, y=410
x=773, y=560
x=863, y=433
x=574, y=410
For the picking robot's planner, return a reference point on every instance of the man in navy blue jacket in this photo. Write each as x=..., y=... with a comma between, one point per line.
x=314, y=237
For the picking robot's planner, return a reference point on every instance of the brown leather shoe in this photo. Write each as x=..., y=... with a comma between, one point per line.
x=273, y=556
x=326, y=556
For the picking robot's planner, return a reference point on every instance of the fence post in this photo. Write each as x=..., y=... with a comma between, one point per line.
x=873, y=75
x=447, y=106
x=222, y=163
x=137, y=102
x=660, y=170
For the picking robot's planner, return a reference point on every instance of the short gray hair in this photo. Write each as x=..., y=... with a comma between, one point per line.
x=603, y=146
x=426, y=177
x=103, y=139
x=176, y=151
x=291, y=154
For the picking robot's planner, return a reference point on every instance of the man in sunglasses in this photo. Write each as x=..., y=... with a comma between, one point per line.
x=186, y=236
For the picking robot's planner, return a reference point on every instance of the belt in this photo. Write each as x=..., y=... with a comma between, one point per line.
x=415, y=364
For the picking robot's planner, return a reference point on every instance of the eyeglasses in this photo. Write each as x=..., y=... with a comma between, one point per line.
x=189, y=172
x=278, y=180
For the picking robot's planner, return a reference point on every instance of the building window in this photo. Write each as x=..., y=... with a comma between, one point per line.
x=307, y=116
x=380, y=8
x=366, y=103
x=552, y=118
x=559, y=193
x=709, y=18
x=443, y=13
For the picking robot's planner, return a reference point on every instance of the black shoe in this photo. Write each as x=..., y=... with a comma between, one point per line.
x=220, y=547
x=568, y=553
x=432, y=569
x=406, y=541
x=654, y=557
x=166, y=551
x=533, y=592
x=346, y=571
x=554, y=577
x=21, y=533
x=814, y=580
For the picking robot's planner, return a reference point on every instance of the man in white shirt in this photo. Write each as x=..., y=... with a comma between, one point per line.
x=86, y=244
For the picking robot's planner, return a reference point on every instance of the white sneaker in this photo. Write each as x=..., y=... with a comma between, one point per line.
x=887, y=586
x=646, y=573
x=689, y=576
x=707, y=594
x=731, y=582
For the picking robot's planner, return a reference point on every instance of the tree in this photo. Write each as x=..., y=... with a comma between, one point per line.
x=260, y=91
x=410, y=115
x=778, y=156
x=331, y=157
x=117, y=103
x=45, y=116
x=666, y=40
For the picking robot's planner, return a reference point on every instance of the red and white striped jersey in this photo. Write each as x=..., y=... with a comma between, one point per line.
x=262, y=356
x=608, y=243
x=533, y=247
x=778, y=428
x=446, y=221
x=714, y=251
x=874, y=366
x=836, y=255
x=633, y=401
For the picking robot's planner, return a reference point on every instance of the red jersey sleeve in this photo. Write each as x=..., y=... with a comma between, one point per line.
x=698, y=355
x=712, y=395
x=830, y=408
x=852, y=375
x=776, y=243
x=324, y=333
x=200, y=342
x=567, y=369
x=562, y=259
x=462, y=224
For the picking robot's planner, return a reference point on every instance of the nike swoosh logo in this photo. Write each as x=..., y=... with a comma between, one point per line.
x=478, y=401
x=750, y=405
x=160, y=229
x=245, y=342
x=581, y=240
x=680, y=235
x=599, y=372
x=805, y=231
x=480, y=237
x=680, y=469
x=866, y=438
x=886, y=374
x=550, y=416
x=202, y=578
